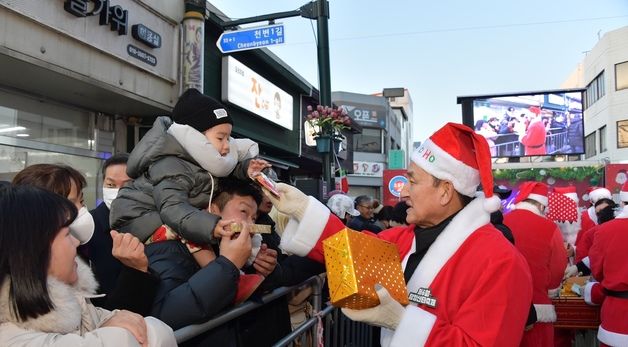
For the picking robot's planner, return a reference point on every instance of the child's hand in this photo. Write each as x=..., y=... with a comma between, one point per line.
x=237, y=249
x=265, y=261
x=222, y=229
x=255, y=166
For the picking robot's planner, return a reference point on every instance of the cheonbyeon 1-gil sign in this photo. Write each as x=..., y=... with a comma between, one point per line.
x=251, y=38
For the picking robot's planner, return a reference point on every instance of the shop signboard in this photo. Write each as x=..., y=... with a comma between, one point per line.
x=393, y=183
x=245, y=88
x=367, y=168
x=127, y=30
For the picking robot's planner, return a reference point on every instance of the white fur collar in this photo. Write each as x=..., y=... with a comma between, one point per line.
x=65, y=317
x=592, y=214
x=528, y=207
x=467, y=221
x=206, y=155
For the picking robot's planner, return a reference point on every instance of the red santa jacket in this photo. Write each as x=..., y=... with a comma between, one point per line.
x=609, y=266
x=541, y=244
x=588, y=219
x=584, y=242
x=482, y=285
x=534, y=139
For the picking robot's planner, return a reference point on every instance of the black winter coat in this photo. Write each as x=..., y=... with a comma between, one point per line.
x=188, y=294
x=169, y=187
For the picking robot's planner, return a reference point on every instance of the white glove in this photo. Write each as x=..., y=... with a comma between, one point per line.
x=387, y=314
x=571, y=271
x=291, y=201
x=576, y=288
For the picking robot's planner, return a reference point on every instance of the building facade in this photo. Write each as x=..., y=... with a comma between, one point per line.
x=386, y=126
x=604, y=74
x=74, y=74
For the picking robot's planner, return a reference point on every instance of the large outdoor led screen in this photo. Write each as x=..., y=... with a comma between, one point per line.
x=549, y=123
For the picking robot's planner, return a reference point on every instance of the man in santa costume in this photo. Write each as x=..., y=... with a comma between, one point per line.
x=534, y=139
x=609, y=266
x=477, y=286
x=541, y=243
x=566, y=211
x=588, y=217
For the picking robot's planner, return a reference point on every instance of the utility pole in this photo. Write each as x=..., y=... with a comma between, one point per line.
x=319, y=10
x=324, y=77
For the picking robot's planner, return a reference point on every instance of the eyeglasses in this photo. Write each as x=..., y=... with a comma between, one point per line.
x=367, y=207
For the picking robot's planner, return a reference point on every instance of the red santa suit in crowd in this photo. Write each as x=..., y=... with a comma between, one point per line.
x=541, y=243
x=534, y=139
x=481, y=284
x=586, y=241
x=563, y=210
x=609, y=266
x=588, y=219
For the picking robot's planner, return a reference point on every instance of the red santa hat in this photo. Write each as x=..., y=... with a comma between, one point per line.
x=536, y=191
x=597, y=193
x=457, y=154
x=623, y=194
x=569, y=191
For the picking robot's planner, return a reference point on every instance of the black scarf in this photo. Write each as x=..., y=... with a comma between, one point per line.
x=424, y=237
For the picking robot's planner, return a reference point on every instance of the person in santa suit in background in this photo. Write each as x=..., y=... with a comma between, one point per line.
x=568, y=228
x=604, y=211
x=541, y=243
x=609, y=266
x=588, y=218
x=478, y=286
x=534, y=139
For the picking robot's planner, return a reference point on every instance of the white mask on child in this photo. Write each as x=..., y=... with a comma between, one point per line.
x=108, y=194
x=82, y=228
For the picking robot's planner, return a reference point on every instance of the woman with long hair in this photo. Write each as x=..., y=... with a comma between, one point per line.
x=45, y=288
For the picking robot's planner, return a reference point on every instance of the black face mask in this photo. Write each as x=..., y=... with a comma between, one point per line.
x=605, y=214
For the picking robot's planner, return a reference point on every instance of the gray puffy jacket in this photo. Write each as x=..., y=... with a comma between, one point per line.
x=169, y=187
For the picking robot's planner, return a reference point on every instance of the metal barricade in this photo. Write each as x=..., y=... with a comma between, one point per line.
x=188, y=332
x=327, y=326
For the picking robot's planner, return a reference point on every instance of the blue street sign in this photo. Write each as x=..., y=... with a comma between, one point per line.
x=251, y=38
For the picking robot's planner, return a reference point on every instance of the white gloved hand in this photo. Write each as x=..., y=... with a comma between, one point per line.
x=387, y=314
x=291, y=201
x=571, y=271
x=576, y=288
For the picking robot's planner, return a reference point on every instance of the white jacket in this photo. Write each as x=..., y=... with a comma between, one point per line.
x=74, y=321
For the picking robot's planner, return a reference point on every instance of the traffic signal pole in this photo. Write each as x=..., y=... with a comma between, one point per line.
x=318, y=10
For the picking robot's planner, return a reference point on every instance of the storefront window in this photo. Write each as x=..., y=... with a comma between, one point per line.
x=14, y=159
x=589, y=145
x=622, y=134
x=31, y=119
x=621, y=76
x=369, y=141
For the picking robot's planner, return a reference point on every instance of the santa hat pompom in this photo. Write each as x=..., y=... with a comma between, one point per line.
x=492, y=204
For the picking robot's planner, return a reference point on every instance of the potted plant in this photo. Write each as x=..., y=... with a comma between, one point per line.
x=328, y=123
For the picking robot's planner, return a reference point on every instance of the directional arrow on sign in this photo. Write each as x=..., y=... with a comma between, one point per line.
x=250, y=38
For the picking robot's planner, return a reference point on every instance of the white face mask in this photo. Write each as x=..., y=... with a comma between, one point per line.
x=82, y=228
x=108, y=194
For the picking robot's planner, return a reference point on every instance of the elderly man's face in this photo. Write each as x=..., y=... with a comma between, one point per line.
x=366, y=209
x=422, y=197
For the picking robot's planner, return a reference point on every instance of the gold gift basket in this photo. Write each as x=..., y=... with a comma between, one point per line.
x=355, y=262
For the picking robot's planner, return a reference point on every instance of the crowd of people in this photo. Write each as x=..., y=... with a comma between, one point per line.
x=175, y=242
x=525, y=131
